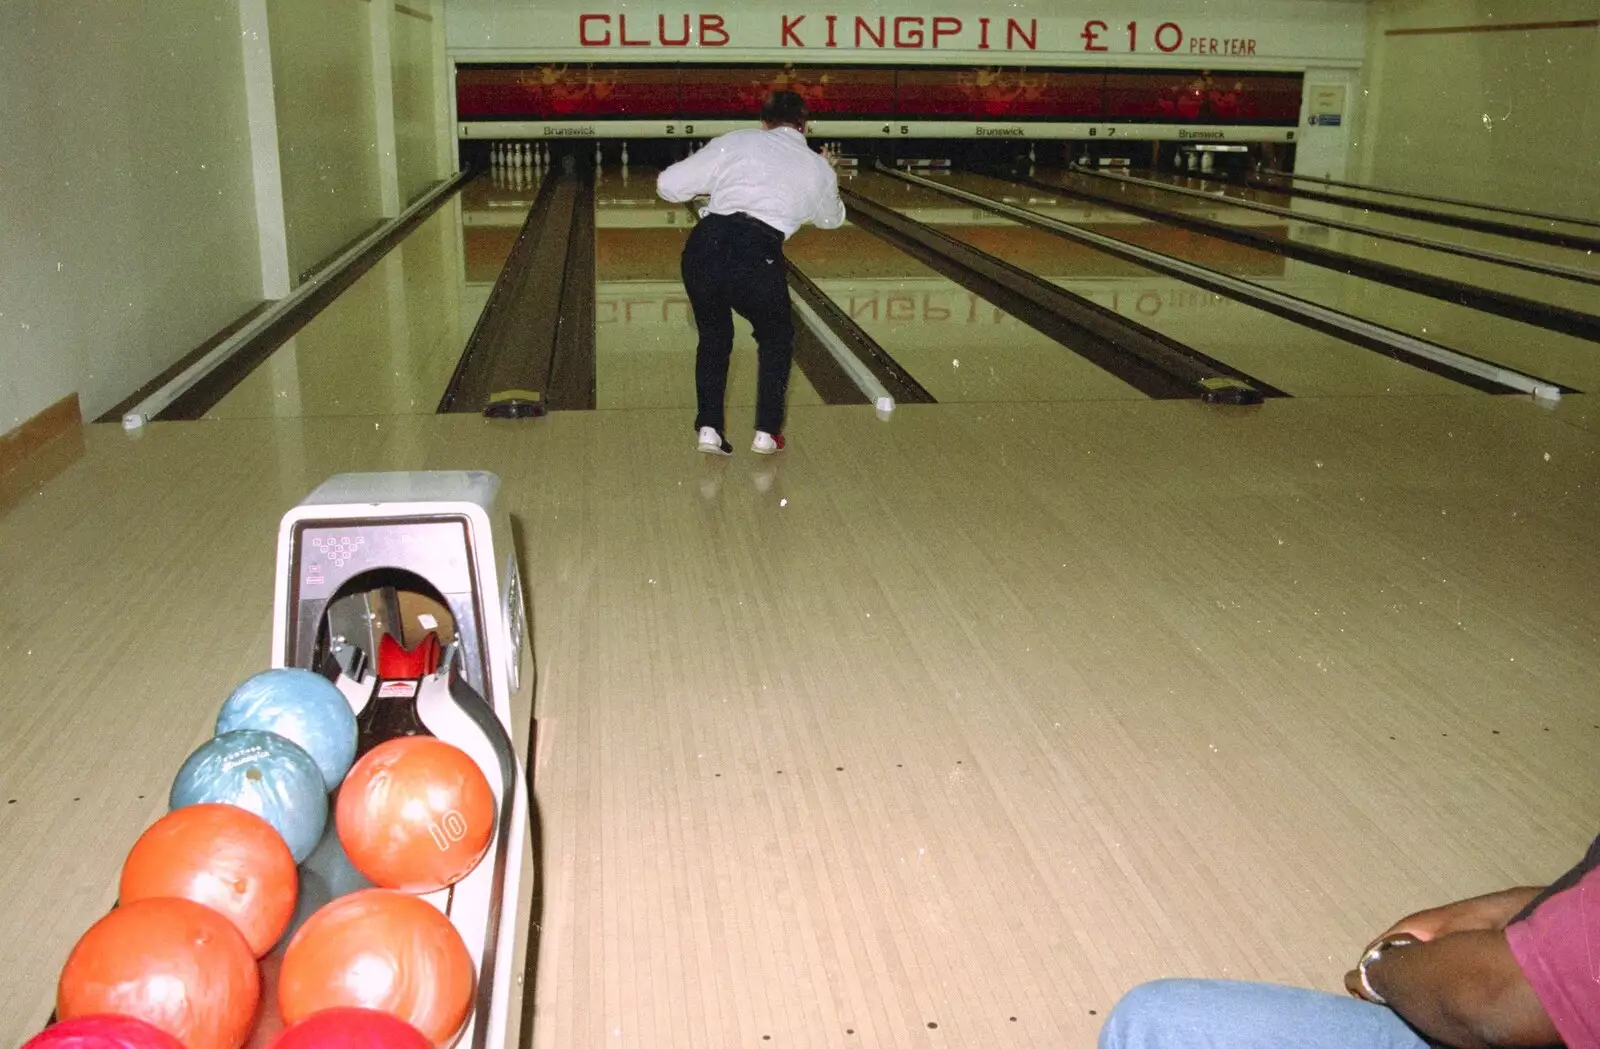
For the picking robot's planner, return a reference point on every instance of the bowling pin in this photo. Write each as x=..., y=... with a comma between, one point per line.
x=1033, y=153
x=624, y=154
x=597, y=155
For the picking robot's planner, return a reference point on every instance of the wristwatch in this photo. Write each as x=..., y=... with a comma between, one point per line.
x=1373, y=954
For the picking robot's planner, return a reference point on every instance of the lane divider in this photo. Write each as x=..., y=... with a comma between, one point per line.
x=1549, y=269
x=859, y=373
x=1248, y=290
x=160, y=399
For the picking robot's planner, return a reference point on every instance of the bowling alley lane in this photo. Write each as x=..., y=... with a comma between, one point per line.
x=956, y=344
x=1551, y=223
x=1549, y=355
x=1539, y=287
x=644, y=331
x=1506, y=245
x=389, y=344
x=1292, y=357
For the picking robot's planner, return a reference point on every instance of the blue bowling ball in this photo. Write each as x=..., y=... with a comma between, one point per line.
x=302, y=707
x=261, y=772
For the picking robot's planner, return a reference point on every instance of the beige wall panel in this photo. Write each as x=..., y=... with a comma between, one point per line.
x=1499, y=116
x=322, y=78
x=127, y=221
x=415, y=136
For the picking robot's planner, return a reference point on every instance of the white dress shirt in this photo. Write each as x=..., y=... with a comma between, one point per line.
x=771, y=175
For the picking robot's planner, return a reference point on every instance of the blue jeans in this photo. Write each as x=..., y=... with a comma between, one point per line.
x=1224, y=1014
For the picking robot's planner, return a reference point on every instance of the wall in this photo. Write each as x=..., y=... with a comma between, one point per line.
x=327, y=126
x=1503, y=115
x=127, y=224
x=415, y=130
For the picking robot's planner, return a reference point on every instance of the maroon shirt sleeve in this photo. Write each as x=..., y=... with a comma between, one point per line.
x=1558, y=948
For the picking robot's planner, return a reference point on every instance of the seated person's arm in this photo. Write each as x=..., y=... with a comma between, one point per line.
x=1492, y=911
x=1466, y=990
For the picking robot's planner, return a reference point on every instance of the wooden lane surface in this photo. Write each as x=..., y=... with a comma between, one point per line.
x=1062, y=698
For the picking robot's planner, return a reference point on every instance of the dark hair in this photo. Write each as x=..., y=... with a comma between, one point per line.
x=786, y=109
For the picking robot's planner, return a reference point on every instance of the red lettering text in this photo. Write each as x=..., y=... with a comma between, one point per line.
x=666, y=41
x=911, y=38
x=622, y=34
x=1031, y=37
x=789, y=27
x=945, y=26
x=832, y=19
x=864, y=28
x=583, y=31
x=1166, y=31
x=1091, y=35
x=1133, y=36
x=712, y=24
x=983, y=34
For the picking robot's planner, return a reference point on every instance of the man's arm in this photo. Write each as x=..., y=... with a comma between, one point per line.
x=689, y=177
x=830, y=212
x=1465, y=990
x=1480, y=913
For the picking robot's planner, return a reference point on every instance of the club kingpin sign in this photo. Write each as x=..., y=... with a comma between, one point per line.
x=1285, y=34
x=858, y=32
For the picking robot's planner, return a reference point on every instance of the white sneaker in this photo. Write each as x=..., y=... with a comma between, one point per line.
x=711, y=442
x=767, y=443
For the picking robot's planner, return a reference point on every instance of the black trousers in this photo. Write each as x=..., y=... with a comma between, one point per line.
x=735, y=263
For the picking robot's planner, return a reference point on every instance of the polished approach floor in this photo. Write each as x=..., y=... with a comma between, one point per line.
x=940, y=731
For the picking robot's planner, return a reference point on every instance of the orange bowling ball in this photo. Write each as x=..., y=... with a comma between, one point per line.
x=225, y=857
x=384, y=950
x=173, y=963
x=415, y=814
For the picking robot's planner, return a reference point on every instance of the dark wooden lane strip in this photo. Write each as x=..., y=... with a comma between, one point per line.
x=1545, y=315
x=1388, y=191
x=1440, y=218
x=514, y=345
x=572, y=376
x=900, y=383
x=1154, y=364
